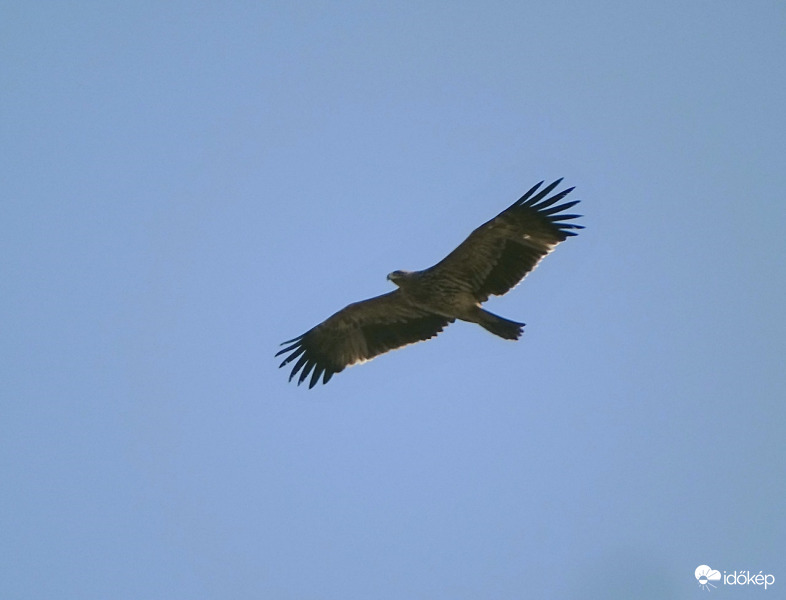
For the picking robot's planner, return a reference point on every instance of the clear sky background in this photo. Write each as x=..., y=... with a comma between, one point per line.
x=184, y=185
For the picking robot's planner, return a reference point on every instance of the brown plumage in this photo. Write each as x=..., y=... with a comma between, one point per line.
x=492, y=260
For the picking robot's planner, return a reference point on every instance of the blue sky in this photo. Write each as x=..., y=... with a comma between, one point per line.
x=185, y=185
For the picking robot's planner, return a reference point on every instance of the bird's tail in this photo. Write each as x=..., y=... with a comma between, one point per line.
x=509, y=330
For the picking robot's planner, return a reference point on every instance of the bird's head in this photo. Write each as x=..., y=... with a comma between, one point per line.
x=398, y=276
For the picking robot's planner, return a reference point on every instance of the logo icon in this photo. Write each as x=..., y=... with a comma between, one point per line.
x=705, y=575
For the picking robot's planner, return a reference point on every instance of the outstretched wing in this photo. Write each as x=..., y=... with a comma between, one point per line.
x=358, y=333
x=499, y=254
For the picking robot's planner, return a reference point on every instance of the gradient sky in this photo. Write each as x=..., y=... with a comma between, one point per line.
x=184, y=185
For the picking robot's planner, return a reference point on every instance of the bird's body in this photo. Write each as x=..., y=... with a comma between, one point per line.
x=492, y=260
x=455, y=300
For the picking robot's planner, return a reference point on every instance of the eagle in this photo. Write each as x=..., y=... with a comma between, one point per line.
x=492, y=260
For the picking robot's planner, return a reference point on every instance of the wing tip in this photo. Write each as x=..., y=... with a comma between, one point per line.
x=529, y=193
x=307, y=364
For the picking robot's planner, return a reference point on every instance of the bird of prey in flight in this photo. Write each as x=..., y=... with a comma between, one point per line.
x=492, y=260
